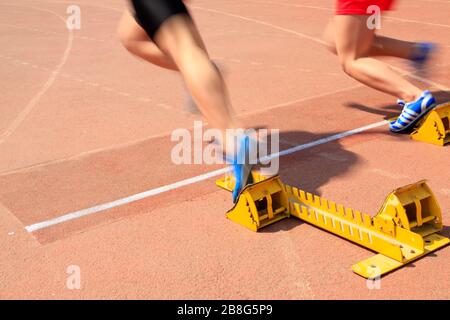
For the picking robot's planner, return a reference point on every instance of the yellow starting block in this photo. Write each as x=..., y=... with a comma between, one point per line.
x=259, y=204
x=405, y=229
x=435, y=127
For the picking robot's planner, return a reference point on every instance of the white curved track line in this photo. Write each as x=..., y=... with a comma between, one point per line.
x=436, y=1
x=332, y=10
x=295, y=5
x=418, y=22
x=316, y=40
x=264, y=23
x=302, y=35
x=47, y=85
x=82, y=4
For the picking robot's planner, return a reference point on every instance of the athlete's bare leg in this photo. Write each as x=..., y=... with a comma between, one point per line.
x=381, y=46
x=355, y=43
x=178, y=46
x=136, y=40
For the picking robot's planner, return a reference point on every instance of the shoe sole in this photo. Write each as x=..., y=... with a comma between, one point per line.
x=247, y=177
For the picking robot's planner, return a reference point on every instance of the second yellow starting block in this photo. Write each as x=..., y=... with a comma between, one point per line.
x=405, y=229
x=435, y=127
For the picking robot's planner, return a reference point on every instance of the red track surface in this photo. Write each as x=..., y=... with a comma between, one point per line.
x=83, y=123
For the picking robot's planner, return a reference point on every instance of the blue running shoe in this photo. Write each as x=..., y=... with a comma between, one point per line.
x=401, y=102
x=242, y=167
x=422, y=55
x=413, y=112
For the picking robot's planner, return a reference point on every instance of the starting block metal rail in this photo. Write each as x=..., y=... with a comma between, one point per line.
x=405, y=229
x=435, y=127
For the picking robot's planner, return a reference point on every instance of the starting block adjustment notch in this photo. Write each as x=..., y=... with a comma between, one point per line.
x=435, y=127
x=344, y=222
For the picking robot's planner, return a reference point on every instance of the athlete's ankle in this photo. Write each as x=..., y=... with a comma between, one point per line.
x=411, y=96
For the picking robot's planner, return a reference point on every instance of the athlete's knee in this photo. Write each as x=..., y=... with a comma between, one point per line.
x=193, y=60
x=124, y=37
x=126, y=33
x=346, y=64
x=183, y=49
x=127, y=43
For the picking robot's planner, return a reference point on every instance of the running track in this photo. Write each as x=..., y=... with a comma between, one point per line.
x=85, y=127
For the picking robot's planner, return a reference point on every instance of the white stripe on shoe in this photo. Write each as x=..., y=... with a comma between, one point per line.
x=425, y=102
x=410, y=112
x=404, y=119
x=407, y=116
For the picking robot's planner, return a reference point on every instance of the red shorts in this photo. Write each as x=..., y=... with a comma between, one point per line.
x=359, y=7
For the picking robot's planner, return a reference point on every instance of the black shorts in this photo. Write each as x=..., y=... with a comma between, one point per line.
x=151, y=14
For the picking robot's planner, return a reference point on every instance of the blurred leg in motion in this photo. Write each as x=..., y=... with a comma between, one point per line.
x=354, y=41
x=163, y=33
x=349, y=36
x=388, y=47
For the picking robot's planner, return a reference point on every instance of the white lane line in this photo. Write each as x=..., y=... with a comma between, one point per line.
x=190, y=181
x=121, y=202
x=315, y=143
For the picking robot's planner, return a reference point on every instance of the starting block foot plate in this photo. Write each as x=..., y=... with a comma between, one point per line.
x=435, y=127
x=259, y=204
x=380, y=265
